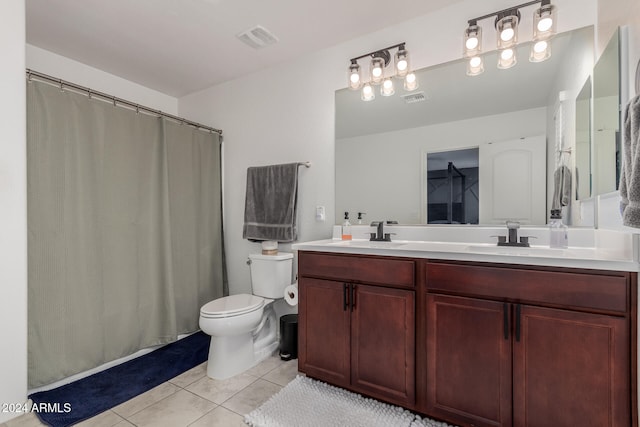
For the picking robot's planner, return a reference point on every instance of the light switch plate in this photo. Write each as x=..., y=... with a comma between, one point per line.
x=320, y=215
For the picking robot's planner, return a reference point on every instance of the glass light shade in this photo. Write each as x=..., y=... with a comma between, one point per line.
x=544, y=22
x=506, y=58
x=401, y=62
x=410, y=82
x=507, y=29
x=377, y=70
x=367, y=93
x=475, y=66
x=540, y=51
x=472, y=41
x=355, y=80
x=387, y=87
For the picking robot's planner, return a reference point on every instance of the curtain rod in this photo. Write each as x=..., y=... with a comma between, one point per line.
x=116, y=100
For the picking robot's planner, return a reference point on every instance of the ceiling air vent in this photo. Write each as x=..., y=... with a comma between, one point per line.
x=414, y=97
x=257, y=37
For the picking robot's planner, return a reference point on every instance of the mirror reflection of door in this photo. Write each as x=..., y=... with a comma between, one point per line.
x=452, y=187
x=513, y=181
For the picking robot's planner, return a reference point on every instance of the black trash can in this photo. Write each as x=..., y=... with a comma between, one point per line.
x=289, y=337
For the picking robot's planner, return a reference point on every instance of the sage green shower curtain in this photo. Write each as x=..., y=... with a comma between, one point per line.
x=125, y=230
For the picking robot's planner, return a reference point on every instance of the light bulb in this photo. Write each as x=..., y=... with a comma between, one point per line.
x=367, y=93
x=506, y=54
x=540, y=47
x=472, y=43
x=387, y=87
x=540, y=51
x=377, y=72
x=410, y=82
x=401, y=60
x=545, y=24
x=507, y=58
x=507, y=34
x=354, y=76
x=507, y=29
x=475, y=66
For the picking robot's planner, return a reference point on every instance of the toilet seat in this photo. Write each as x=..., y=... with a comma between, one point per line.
x=232, y=305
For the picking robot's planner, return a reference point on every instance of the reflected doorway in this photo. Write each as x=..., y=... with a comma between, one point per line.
x=452, y=187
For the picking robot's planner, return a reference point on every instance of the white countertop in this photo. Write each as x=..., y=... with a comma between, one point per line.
x=603, y=258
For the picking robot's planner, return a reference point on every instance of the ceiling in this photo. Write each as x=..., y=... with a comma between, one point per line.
x=181, y=46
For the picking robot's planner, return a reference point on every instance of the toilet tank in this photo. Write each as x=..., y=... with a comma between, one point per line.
x=270, y=274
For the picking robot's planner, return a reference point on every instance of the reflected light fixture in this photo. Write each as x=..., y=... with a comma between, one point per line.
x=410, y=82
x=506, y=24
x=387, y=87
x=540, y=51
x=507, y=58
x=475, y=66
x=378, y=64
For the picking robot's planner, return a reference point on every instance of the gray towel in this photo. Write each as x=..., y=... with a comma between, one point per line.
x=630, y=173
x=561, y=187
x=271, y=203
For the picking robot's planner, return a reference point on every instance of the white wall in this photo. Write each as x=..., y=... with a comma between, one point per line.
x=286, y=113
x=76, y=72
x=13, y=214
x=368, y=190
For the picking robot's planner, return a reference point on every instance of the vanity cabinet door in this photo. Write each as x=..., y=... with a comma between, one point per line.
x=469, y=360
x=383, y=343
x=324, y=331
x=570, y=369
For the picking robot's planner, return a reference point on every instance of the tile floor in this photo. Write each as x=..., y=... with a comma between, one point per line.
x=193, y=399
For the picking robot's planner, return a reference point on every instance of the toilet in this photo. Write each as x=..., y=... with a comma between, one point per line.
x=243, y=327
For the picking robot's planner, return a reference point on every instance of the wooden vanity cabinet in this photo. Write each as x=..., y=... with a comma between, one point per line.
x=356, y=323
x=528, y=347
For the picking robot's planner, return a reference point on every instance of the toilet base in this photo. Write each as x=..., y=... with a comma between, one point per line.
x=232, y=355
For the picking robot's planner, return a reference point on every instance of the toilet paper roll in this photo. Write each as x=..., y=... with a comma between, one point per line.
x=291, y=294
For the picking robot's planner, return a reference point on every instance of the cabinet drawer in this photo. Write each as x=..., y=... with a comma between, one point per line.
x=590, y=290
x=358, y=268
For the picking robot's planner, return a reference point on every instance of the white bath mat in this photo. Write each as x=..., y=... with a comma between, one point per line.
x=307, y=402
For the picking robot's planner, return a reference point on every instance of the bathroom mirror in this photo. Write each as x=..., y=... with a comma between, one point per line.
x=380, y=144
x=606, y=118
x=583, y=142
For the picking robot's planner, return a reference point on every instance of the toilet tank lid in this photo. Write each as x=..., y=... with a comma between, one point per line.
x=280, y=256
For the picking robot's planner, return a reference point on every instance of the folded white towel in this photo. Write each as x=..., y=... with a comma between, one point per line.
x=630, y=173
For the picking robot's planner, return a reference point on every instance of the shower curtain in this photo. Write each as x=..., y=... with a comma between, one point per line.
x=125, y=230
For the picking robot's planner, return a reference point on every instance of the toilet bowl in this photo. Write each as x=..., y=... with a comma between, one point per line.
x=243, y=327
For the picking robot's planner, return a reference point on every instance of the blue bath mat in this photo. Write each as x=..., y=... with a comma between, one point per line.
x=87, y=397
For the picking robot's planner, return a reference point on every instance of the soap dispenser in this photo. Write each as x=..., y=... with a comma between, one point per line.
x=360, y=217
x=346, y=227
x=558, y=232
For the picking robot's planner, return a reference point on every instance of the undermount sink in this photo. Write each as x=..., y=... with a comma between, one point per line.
x=367, y=244
x=540, y=251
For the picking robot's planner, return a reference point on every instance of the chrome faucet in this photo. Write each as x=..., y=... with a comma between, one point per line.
x=379, y=235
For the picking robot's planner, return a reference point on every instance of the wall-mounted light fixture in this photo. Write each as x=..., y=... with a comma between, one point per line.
x=378, y=75
x=506, y=24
